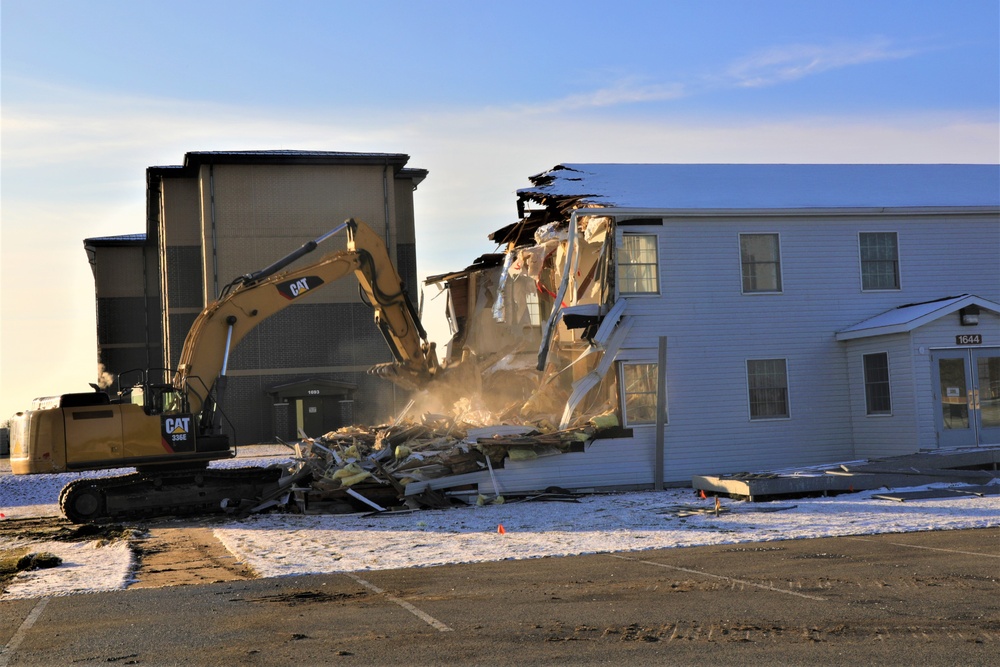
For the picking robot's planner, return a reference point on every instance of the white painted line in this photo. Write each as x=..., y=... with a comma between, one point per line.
x=8, y=651
x=917, y=546
x=426, y=618
x=719, y=576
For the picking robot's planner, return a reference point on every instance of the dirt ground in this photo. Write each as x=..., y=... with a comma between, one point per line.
x=175, y=553
x=167, y=552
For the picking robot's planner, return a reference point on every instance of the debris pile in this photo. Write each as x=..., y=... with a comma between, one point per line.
x=356, y=468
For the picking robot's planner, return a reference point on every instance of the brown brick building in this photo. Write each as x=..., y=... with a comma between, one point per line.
x=224, y=214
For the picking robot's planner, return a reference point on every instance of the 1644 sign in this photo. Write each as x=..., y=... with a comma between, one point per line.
x=969, y=339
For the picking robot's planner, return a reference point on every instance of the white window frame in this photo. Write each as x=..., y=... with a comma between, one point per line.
x=656, y=264
x=624, y=394
x=533, y=307
x=788, y=391
x=899, y=264
x=781, y=278
x=888, y=382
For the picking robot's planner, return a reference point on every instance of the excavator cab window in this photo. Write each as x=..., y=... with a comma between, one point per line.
x=155, y=398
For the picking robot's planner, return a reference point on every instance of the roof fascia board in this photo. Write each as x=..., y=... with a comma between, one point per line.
x=790, y=212
x=916, y=323
x=195, y=158
x=130, y=240
x=879, y=331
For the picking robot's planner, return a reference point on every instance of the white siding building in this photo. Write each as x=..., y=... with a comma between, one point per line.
x=808, y=313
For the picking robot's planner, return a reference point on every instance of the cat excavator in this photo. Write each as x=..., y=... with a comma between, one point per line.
x=169, y=426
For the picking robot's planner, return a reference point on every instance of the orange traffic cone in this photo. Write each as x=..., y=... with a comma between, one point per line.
x=701, y=493
x=500, y=529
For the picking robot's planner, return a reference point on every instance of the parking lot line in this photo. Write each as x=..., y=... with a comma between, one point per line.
x=426, y=618
x=723, y=578
x=7, y=652
x=917, y=546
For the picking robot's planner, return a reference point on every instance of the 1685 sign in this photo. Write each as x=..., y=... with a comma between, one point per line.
x=969, y=339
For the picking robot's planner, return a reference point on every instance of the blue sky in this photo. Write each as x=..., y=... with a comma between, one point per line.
x=481, y=94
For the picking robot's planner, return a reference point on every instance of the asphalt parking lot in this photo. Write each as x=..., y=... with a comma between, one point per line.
x=931, y=598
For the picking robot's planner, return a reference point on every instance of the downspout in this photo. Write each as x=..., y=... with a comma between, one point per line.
x=661, y=413
x=92, y=259
x=145, y=301
x=385, y=202
x=161, y=250
x=215, y=242
x=385, y=214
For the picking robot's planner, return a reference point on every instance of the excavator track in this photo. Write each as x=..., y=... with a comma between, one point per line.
x=146, y=495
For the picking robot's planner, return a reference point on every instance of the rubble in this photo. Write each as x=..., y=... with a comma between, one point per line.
x=357, y=468
x=522, y=379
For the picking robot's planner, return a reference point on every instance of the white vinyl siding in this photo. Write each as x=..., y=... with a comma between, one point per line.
x=895, y=433
x=713, y=329
x=760, y=260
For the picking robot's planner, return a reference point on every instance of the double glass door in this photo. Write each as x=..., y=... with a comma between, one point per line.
x=967, y=394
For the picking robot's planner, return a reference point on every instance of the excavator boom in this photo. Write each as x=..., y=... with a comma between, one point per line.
x=253, y=298
x=170, y=432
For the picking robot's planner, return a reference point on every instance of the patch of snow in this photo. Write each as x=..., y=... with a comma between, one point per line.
x=289, y=544
x=281, y=545
x=87, y=567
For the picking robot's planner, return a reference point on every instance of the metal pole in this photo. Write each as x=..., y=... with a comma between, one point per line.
x=661, y=412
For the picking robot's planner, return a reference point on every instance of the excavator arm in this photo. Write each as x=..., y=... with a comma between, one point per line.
x=253, y=298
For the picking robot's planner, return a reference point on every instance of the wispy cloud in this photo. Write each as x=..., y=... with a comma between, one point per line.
x=770, y=67
x=627, y=91
x=782, y=64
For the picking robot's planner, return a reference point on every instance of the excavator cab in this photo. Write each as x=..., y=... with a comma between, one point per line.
x=153, y=392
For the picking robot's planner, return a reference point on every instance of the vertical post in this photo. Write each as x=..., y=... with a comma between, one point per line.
x=661, y=412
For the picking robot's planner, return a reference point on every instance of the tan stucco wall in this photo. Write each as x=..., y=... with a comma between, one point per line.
x=180, y=224
x=118, y=272
x=264, y=212
x=404, y=211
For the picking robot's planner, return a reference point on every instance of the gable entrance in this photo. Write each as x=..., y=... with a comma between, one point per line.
x=311, y=407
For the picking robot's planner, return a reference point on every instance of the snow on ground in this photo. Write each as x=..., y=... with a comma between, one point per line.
x=276, y=545
x=288, y=544
x=87, y=567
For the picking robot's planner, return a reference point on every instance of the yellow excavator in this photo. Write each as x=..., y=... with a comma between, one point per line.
x=168, y=425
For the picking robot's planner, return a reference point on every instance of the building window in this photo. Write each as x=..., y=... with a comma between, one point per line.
x=639, y=382
x=767, y=385
x=638, y=265
x=877, y=398
x=761, y=260
x=533, y=308
x=879, y=261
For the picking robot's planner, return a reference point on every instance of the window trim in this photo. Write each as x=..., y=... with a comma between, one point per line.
x=781, y=277
x=888, y=382
x=788, y=391
x=533, y=306
x=623, y=400
x=899, y=264
x=618, y=265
